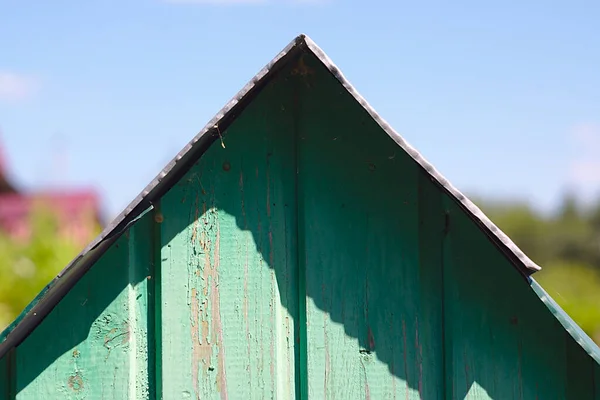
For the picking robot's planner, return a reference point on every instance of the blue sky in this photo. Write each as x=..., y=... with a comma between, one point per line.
x=503, y=98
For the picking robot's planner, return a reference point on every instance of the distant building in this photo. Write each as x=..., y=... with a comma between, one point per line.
x=76, y=211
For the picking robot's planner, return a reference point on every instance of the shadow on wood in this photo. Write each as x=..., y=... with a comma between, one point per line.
x=307, y=255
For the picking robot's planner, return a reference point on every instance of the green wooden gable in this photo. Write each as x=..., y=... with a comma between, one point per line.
x=298, y=248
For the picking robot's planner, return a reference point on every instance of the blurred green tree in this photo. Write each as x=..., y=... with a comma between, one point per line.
x=566, y=245
x=27, y=266
x=576, y=288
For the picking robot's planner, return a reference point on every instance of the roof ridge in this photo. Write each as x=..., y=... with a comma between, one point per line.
x=175, y=169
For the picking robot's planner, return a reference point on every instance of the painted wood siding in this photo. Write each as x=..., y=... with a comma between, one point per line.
x=98, y=343
x=229, y=264
x=308, y=257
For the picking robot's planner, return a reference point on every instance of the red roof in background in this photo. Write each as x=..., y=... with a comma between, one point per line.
x=71, y=208
x=14, y=204
x=74, y=208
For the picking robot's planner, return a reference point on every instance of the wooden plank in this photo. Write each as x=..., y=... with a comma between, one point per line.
x=141, y=280
x=596, y=374
x=7, y=377
x=229, y=275
x=94, y=343
x=4, y=379
x=580, y=371
x=373, y=324
x=432, y=219
x=502, y=342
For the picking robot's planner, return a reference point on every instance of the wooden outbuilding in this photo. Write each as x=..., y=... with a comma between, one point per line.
x=298, y=248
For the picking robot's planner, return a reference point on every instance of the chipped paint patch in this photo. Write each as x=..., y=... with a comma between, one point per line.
x=75, y=382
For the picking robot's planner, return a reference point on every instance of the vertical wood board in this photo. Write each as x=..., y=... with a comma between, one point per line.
x=502, y=342
x=94, y=344
x=372, y=313
x=7, y=377
x=229, y=263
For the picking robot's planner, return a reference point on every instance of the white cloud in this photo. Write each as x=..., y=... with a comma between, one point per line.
x=586, y=172
x=585, y=167
x=16, y=87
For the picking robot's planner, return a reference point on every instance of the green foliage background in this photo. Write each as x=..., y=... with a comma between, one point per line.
x=26, y=267
x=566, y=244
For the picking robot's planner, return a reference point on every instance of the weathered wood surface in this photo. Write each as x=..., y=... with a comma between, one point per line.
x=373, y=305
x=96, y=343
x=7, y=377
x=229, y=264
x=307, y=258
